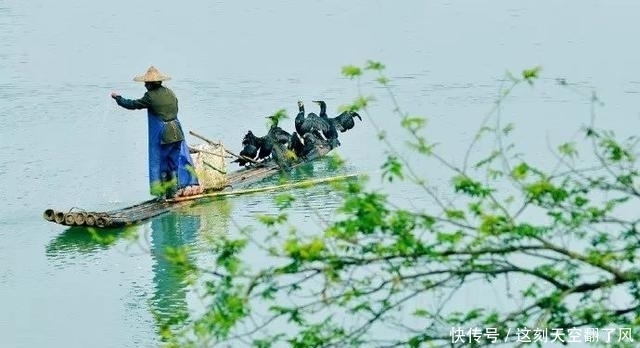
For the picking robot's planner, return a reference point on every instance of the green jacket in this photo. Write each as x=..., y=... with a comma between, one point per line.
x=160, y=101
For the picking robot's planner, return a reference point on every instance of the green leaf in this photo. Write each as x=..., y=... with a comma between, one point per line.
x=420, y=313
x=373, y=65
x=422, y=146
x=449, y=237
x=284, y=200
x=508, y=128
x=392, y=169
x=304, y=251
x=494, y=225
x=568, y=149
x=455, y=214
x=351, y=71
x=465, y=184
x=383, y=80
x=520, y=171
x=361, y=102
x=530, y=75
x=271, y=220
x=543, y=191
x=413, y=123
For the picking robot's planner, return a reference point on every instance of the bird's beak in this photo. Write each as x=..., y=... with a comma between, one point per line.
x=357, y=115
x=315, y=101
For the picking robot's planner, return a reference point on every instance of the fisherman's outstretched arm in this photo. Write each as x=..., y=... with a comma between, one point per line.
x=133, y=104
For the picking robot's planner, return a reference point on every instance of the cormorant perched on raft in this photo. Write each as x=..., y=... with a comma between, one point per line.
x=275, y=143
x=281, y=140
x=248, y=151
x=342, y=122
x=299, y=120
x=328, y=129
x=308, y=142
x=277, y=134
x=312, y=145
x=312, y=122
x=263, y=146
x=297, y=145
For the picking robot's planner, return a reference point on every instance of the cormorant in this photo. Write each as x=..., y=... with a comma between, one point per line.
x=263, y=144
x=274, y=143
x=248, y=151
x=311, y=145
x=280, y=140
x=299, y=120
x=329, y=129
x=315, y=145
x=296, y=144
x=277, y=134
x=344, y=121
x=313, y=122
x=305, y=124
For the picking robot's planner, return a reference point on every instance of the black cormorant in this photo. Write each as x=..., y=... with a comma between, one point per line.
x=305, y=124
x=315, y=145
x=277, y=134
x=296, y=144
x=248, y=151
x=344, y=121
x=263, y=144
x=329, y=129
x=299, y=120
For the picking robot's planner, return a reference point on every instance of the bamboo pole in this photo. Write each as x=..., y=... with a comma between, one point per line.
x=304, y=183
x=49, y=215
x=69, y=219
x=207, y=152
x=225, y=149
x=103, y=221
x=201, y=137
x=80, y=218
x=59, y=217
x=90, y=220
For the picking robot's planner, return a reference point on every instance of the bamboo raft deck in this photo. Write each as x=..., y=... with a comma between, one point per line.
x=137, y=213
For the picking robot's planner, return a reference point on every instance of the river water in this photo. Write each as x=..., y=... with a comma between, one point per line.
x=66, y=144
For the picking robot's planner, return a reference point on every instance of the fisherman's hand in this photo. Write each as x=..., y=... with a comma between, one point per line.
x=114, y=95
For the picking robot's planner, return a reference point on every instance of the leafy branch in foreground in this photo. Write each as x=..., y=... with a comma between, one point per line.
x=560, y=243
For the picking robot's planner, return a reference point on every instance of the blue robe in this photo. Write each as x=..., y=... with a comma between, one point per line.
x=170, y=165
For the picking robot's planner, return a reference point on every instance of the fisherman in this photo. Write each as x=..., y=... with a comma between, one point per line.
x=171, y=170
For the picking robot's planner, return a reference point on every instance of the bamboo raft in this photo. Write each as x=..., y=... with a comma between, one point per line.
x=143, y=211
x=151, y=208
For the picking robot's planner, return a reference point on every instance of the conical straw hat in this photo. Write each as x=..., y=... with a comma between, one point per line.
x=152, y=75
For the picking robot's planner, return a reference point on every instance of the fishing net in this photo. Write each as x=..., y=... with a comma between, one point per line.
x=211, y=165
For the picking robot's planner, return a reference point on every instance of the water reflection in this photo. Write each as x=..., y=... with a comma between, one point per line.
x=160, y=299
x=170, y=232
x=181, y=233
x=190, y=229
x=315, y=199
x=85, y=240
